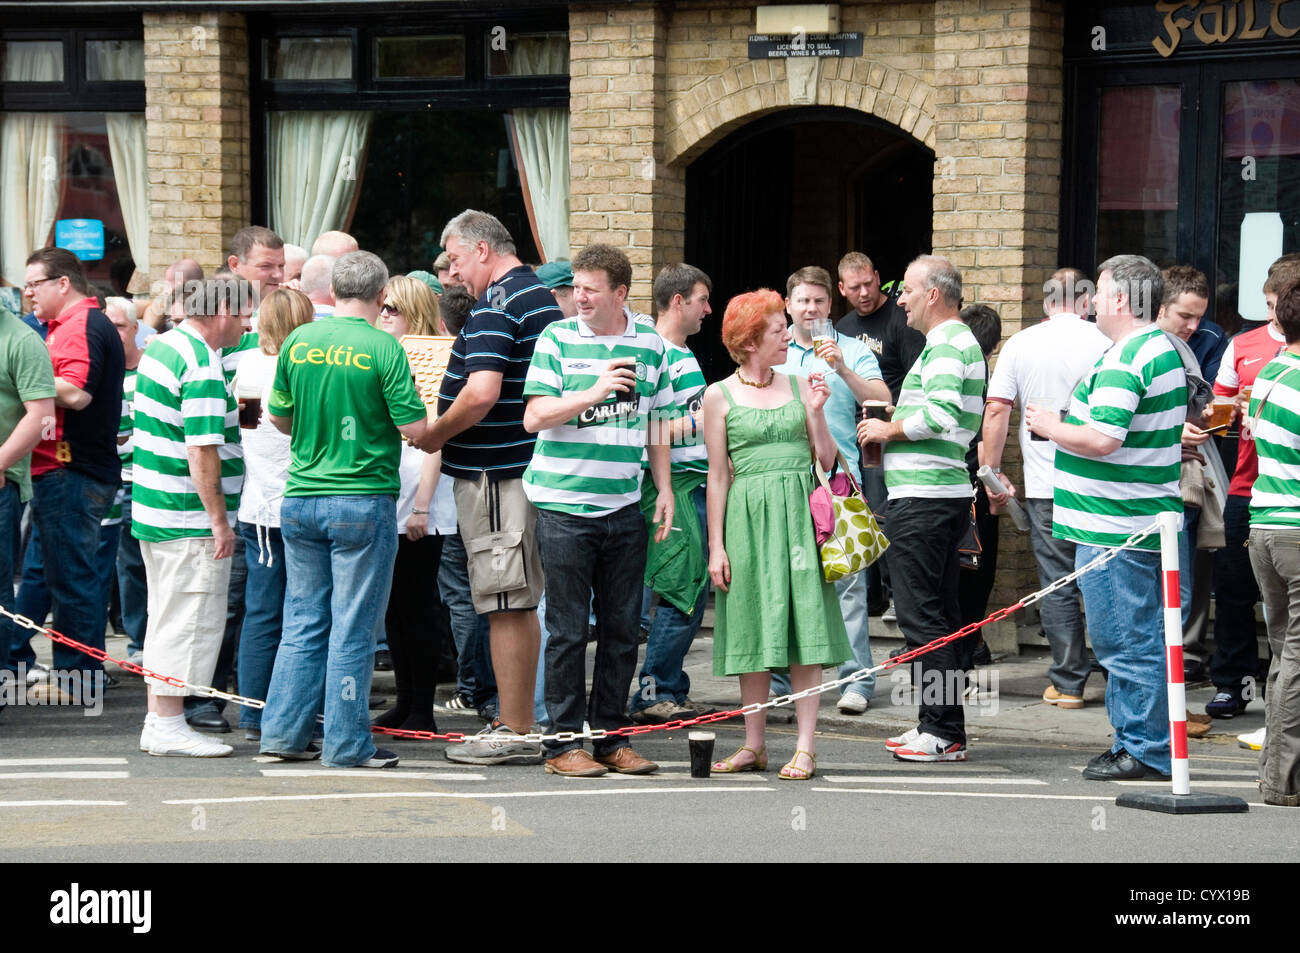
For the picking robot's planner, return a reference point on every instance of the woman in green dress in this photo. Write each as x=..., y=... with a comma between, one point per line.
x=774, y=609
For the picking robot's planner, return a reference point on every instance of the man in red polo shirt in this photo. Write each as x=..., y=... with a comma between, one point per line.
x=1235, y=665
x=75, y=468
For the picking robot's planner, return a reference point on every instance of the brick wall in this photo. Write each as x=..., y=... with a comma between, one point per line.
x=997, y=81
x=656, y=84
x=196, y=107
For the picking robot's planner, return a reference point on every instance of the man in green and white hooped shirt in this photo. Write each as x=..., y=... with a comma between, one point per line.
x=597, y=388
x=1118, y=459
x=1274, y=421
x=678, y=568
x=188, y=469
x=939, y=409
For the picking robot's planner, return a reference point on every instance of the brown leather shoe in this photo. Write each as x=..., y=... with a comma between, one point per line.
x=626, y=761
x=577, y=763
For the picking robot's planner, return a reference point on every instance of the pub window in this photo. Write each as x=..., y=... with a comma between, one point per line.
x=1259, y=189
x=114, y=61
x=73, y=169
x=1137, y=194
x=32, y=61
x=529, y=54
x=411, y=57
x=308, y=58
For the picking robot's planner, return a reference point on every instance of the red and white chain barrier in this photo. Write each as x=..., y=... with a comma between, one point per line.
x=780, y=701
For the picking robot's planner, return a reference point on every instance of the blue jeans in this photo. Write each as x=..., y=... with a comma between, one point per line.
x=259, y=636
x=67, y=507
x=852, y=594
x=11, y=513
x=671, y=634
x=604, y=554
x=338, y=553
x=475, y=678
x=1126, y=622
x=132, y=587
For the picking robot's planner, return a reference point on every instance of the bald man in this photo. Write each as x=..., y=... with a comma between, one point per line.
x=315, y=283
x=294, y=258
x=157, y=312
x=336, y=244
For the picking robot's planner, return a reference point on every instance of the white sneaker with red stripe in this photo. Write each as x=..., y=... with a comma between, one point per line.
x=929, y=748
x=906, y=738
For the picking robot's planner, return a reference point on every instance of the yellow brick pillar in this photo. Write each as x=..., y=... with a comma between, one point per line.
x=997, y=77
x=196, y=108
x=623, y=193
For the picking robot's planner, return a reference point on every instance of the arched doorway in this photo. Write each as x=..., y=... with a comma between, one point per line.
x=802, y=187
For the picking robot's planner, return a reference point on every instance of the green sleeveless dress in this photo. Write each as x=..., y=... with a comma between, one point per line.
x=779, y=610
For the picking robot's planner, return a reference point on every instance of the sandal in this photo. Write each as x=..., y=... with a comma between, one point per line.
x=758, y=764
x=792, y=772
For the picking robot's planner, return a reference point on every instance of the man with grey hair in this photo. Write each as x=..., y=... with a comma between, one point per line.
x=315, y=281
x=335, y=244
x=930, y=497
x=343, y=392
x=480, y=429
x=1118, y=458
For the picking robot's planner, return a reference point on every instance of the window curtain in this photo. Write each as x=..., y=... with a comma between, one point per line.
x=30, y=162
x=316, y=158
x=129, y=152
x=540, y=139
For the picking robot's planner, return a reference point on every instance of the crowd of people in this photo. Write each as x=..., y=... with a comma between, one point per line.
x=247, y=457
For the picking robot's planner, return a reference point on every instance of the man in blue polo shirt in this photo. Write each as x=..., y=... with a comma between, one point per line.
x=853, y=374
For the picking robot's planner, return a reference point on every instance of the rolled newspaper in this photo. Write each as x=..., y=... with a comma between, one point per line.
x=1014, y=509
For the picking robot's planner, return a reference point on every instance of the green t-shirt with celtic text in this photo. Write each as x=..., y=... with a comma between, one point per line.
x=348, y=387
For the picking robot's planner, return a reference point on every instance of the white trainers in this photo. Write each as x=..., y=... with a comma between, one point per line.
x=927, y=747
x=495, y=744
x=1254, y=740
x=186, y=743
x=146, y=735
x=852, y=703
x=906, y=738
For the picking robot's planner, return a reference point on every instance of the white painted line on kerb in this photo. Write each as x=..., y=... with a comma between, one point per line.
x=62, y=803
x=39, y=762
x=377, y=775
x=869, y=779
x=65, y=775
x=476, y=796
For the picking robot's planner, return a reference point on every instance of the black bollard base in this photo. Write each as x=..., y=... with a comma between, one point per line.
x=1165, y=803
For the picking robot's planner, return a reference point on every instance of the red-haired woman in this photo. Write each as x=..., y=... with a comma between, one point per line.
x=774, y=610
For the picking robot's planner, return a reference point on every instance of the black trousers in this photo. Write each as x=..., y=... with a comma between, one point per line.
x=923, y=568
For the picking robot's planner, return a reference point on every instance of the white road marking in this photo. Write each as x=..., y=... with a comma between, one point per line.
x=38, y=762
x=65, y=775
x=476, y=796
x=995, y=794
x=62, y=803
x=868, y=779
x=379, y=775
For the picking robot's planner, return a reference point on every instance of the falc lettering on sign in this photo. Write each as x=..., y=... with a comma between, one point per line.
x=335, y=356
x=1221, y=22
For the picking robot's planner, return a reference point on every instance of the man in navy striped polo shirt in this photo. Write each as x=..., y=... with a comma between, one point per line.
x=480, y=430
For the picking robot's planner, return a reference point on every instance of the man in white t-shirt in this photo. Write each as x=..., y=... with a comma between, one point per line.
x=1041, y=365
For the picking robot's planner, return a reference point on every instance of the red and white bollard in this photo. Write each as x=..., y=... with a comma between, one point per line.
x=1181, y=767
x=1181, y=800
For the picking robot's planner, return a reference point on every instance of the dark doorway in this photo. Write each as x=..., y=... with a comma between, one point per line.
x=802, y=187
